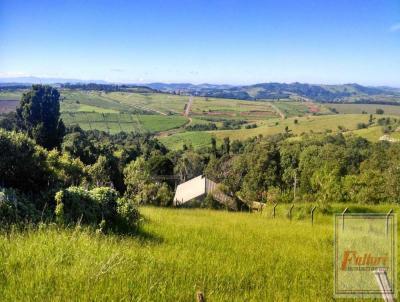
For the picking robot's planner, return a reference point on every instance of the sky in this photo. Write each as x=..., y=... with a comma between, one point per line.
x=203, y=41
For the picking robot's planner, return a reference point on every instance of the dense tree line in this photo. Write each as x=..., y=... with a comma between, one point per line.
x=106, y=87
x=321, y=169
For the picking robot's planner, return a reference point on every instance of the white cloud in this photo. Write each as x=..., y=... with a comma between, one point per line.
x=395, y=27
x=117, y=69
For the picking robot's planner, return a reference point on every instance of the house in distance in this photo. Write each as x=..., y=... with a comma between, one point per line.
x=193, y=192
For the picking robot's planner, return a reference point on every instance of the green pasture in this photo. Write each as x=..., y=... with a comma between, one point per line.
x=117, y=122
x=228, y=256
x=368, y=108
x=196, y=139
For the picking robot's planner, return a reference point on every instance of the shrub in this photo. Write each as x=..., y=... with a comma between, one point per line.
x=106, y=198
x=23, y=164
x=67, y=171
x=362, y=126
x=75, y=204
x=128, y=214
x=251, y=126
x=98, y=207
x=210, y=203
x=202, y=127
x=16, y=208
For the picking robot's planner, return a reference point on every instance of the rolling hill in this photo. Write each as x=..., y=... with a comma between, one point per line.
x=345, y=93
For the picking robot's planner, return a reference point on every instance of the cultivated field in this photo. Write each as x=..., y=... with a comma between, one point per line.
x=298, y=108
x=11, y=95
x=8, y=106
x=368, y=108
x=161, y=104
x=233, y=109
x=305, y=124
x=158, y=112
x=228, y=256
x=117, y=122
x=196, y=139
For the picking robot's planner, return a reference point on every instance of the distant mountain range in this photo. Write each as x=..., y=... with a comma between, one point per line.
x=343, y=93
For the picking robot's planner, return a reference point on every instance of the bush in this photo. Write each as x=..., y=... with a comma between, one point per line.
x=251, y=126
x=75, y=204
x=202, y=127
x=15, y=208
x=99, y=207
x=128, y=214
x=362, y=126
x=210, y=203
x=23, y=164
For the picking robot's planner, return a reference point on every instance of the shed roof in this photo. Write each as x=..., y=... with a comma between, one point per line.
x=189, y=190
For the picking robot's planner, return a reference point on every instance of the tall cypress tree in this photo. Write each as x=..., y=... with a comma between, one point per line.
x=39, y=115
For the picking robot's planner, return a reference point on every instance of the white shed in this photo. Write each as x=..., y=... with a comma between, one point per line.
x=197, y=189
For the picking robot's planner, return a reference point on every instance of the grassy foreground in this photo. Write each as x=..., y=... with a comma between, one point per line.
x=228, y=256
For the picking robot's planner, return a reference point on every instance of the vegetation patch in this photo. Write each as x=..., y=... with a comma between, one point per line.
x=194, y=139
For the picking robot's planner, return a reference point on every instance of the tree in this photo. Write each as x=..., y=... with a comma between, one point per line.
x=100, y=172
x=23, y=164
x=39, y=115
x=380, y=111
x=213, y=145
x=78, y=145
x=9, y=121
x=327, y=186
x=263, y=171
x=160, y=165
x=226, y=147
x=67, y=171
x=137, y=176
x=189, y=165
x=236, y=146
x=164, y=195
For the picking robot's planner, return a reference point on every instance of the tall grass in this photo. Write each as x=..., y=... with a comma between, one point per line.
x=228, y=256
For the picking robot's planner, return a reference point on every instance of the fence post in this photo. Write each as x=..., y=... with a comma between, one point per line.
x=387, y=221
x=290, y=212
x=273, y=211
x=345, y=210
x=312, y=215
x=200, y=297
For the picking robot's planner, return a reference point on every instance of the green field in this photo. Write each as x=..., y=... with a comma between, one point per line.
x=291, y=108
x=117, y=122
x=156, y=102
x=160, y=112
x=229, y=108
x=228, y=256
x=10, y=95
x=305, y=124
x=153, y=112
x=368, y=108
x=196, y=139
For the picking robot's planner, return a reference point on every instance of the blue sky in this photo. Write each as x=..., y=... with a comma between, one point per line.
x=214, y=41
